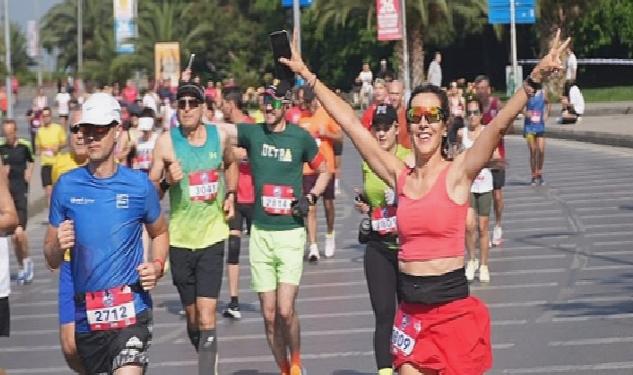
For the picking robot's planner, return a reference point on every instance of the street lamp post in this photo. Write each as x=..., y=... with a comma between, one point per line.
x=296, y=16
x=80, y=50
x=405, y=50
x=7, y=47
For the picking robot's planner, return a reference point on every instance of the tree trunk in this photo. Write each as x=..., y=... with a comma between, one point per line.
x=416, y=55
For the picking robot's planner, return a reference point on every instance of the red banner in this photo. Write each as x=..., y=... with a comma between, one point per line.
x=389, y=20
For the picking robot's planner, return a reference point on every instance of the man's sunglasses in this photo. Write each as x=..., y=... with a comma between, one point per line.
x=273, y=102
x=74, y=129
x=432, y=115
x=473, y=113
x=91, y=130
x=193, y=103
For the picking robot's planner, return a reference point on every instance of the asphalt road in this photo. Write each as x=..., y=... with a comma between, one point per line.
x=561, y=295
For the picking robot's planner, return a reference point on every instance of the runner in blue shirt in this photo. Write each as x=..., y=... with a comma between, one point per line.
x=536, y=113
x=98, y=212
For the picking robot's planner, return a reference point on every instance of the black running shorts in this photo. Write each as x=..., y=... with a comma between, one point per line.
x=197, y=273
x=106, y=351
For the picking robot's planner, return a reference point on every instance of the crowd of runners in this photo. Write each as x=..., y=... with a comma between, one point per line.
x=231, y=172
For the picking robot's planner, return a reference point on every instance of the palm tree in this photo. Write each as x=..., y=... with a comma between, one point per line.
x=427, y=21
x=19, y=58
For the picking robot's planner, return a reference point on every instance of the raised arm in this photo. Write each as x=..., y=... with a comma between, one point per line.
x=477, y=156
x=384, y=164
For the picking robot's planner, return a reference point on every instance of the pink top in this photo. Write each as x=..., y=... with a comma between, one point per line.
x=431, y=227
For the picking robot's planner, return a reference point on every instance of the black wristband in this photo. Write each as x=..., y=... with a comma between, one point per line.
x=312, y=198
x=164, y=185
x=226, y=195
x=533, y=84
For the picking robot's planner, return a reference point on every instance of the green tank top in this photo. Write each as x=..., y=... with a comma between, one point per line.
x=379, y=197
x=196, y=202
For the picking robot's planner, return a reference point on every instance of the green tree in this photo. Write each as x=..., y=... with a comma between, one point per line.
x=428, y=21
x=19, y=58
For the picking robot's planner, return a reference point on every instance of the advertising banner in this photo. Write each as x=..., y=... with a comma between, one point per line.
x=389, y=23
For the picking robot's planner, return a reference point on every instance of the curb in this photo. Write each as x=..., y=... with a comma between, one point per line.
x=600, y=138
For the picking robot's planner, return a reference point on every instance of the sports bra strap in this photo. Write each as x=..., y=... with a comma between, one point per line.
x=401, y=179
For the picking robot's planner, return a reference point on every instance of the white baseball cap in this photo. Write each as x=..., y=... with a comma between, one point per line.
x=100, y=109
x=146, y=123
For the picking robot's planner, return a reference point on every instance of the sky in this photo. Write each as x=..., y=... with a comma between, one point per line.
x=20, y=11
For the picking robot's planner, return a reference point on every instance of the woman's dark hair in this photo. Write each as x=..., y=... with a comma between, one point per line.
x=474, y=99
x=441, y=95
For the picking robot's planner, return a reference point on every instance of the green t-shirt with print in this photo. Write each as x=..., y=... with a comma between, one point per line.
x=277, y=166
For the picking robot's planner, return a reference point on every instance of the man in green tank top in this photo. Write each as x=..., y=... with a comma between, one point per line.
x=195, y=163
x=277, y=151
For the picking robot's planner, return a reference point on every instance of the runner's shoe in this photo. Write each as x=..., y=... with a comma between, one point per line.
x=497, y=236
x=29, y=271
x=298, y=370
x=534, y=181
x=541, y=181
x=232, y=311
x=484, y=274
x=330, y=245
x=471, y=267
x=21, y=276
x=313, y=254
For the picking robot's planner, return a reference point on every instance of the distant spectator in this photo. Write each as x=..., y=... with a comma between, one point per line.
x=130, y=93
x=384, y=72
x=164, y=90
x=40, y=100
x=63, y=105
x=571, y=67
x=435, y=71
x=573, y=105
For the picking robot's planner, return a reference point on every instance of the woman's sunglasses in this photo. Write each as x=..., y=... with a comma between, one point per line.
x=432, y=115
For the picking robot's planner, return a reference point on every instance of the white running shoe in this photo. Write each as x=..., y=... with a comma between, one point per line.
x=29, y=271
x=484, y=274
x=497, y=236
x=313, y=254
x=330, y=245
x=471, y=267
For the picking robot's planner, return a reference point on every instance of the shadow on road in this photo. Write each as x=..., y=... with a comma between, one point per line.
x=253, y=372
x=351, y=372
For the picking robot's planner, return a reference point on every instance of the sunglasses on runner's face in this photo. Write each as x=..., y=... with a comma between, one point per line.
x=193, y=103
x=273, y=102
x=432, y=115
x=74, y=129
x=474, y=113
x=94, y=130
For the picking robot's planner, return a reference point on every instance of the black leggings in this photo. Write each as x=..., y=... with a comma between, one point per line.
x=381, y=272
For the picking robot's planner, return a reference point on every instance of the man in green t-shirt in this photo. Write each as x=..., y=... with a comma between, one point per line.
x=277, y=151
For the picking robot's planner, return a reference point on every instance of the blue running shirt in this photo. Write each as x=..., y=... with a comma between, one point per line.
x=108, y=214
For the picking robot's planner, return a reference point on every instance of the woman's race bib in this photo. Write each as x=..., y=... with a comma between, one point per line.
x=383, y=220
x=277, y=199
x=110, y=309
x=203, y=185
x=406, y=329
x=535, y=117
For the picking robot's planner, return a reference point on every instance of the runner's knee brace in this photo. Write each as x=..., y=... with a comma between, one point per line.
x=234, y=250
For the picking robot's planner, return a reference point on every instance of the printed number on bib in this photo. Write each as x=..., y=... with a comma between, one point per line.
x=401, y=341
x=383, y=220
x=110, y=309
x=277, y=199
x=203, y=185
x=405, y=330
x=535, y=117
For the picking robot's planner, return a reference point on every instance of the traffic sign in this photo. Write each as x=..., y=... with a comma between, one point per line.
x=499, y=11
x=302, y=3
